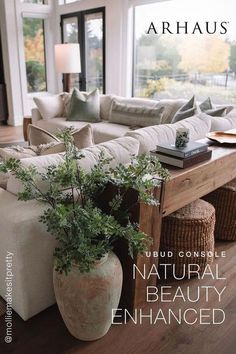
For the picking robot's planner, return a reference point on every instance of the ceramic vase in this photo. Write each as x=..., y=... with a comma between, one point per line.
x=86, y=300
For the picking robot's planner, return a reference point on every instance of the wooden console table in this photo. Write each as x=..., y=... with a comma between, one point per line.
x=184, y=186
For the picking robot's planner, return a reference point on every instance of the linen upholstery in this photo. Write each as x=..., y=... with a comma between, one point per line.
x=16, y=152
x=132, y=115
x=38, y=136
x=49, y=106
x=119, y=150
x=187, y=110
x=105, y=131
x=206, y=105
x=23, y=235
x=149, y=137
x=3, y=180
x=54, y=124
x=223, y=123
x=84, y=107
x=217, y=112
x=171, y=106
x=105, y=106
x=83, y=137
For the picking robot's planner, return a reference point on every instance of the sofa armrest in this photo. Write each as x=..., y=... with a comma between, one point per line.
x=36, y=116
x=26, y=240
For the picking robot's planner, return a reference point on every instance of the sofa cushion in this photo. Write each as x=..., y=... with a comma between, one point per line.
x=66, y=97
x=231, y=112
x=217, y=112
x=119, y=150
x=206, y=105
x=38, y=136
x=16, y=152
x=187, y=110
x=214, y=110
x=105, y=131
x=149, y=137
x=170, y=108
x=136, y=101
x=82, y=138
x=22, y=235
x=84, y=107
x=132, y=115
x=49, y=106
x=105, y=106
x=223, y=123
x=3, y=180
x=53, y=125
x=14, y=186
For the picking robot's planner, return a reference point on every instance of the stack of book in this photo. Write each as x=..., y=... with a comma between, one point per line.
x=185, y=157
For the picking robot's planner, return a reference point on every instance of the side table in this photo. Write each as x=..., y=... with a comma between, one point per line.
x=26, y=122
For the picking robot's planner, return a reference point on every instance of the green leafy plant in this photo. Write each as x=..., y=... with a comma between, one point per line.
x=84, y=230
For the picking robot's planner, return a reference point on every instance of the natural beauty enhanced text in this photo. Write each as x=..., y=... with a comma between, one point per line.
x=193, y=304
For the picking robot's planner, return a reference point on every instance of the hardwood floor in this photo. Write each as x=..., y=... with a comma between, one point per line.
x=46, y=333
x=10, y=134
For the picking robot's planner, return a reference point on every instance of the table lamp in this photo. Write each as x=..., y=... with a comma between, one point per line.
x=67, y=57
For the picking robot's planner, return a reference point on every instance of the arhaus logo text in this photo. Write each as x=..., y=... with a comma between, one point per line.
x=178, y=27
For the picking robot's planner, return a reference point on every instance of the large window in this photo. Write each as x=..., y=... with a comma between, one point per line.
x=178, y=64
x=88, y=29
x=33, y=30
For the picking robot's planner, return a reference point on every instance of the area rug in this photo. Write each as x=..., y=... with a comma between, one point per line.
x=2, y=307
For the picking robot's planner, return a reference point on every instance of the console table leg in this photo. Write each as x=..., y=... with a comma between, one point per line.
x=150, y=223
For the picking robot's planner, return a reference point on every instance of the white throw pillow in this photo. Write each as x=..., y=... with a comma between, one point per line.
x=149, y=137
x=50, y=106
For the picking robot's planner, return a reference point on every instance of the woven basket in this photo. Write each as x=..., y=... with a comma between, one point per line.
x=189, y=230
x=224, y=201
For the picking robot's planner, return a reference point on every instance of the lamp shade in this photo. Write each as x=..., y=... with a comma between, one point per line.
x=67, y=58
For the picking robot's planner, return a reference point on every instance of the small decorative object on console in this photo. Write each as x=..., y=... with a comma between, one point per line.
x=182, y=137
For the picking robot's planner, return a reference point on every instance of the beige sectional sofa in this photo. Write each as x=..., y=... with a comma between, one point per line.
x=22, y=235
x=20, y=231
x=105, y=129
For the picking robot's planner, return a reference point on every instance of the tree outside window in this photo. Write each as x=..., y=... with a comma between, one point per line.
x=179, y=65
x=33, y=30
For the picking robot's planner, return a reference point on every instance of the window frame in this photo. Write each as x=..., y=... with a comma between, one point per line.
x=81, y=40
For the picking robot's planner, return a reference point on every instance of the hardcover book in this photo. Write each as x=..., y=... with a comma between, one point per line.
x=192, y=148
x=186, y=162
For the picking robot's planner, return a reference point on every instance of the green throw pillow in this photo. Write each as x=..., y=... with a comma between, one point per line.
x=84, y=107
x=208, y=108
x=216, y=112
x=206, y=105
x=189, y=109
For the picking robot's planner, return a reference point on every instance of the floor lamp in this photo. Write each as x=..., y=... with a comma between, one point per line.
x=67, y=57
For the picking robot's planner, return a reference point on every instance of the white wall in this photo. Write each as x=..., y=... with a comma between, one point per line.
x=11, y=61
